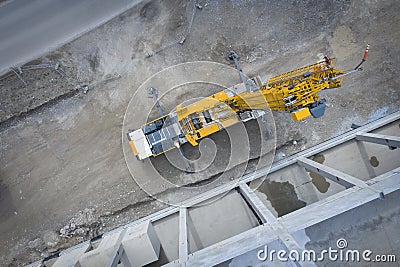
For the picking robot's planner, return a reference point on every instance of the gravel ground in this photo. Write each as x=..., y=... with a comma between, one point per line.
x=62, y=162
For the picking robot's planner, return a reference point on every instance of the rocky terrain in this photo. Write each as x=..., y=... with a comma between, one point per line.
x=63, y=176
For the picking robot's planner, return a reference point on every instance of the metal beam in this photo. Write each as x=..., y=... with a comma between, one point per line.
x=334, y=174
x=325, y=171
x=231, y=247
x=183, y=236
x=268, y=218
x=339, y=203
x=391, y=141
x=261, y=210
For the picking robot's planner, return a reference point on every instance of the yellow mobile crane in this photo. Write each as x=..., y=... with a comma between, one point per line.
x=295, y=92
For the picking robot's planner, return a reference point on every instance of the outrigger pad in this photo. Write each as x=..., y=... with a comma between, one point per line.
x=317, y=109
x=231, y=56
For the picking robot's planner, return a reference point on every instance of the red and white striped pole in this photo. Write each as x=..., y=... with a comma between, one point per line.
x=366, y=53
x=364, y=57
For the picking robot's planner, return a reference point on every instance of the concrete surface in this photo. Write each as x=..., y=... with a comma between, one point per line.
x=71, y=258
x=167, y=230
x=30, y=29
x=141, y=244
x=201, y=227
x=67, y=156
x=373, y=226
x=385, y=159
x=365, y=227
x=294, y=187
x=100, y=255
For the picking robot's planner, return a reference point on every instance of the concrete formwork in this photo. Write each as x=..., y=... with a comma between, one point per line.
x=231, y=221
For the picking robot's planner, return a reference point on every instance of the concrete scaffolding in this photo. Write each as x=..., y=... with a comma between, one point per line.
x=231, y=221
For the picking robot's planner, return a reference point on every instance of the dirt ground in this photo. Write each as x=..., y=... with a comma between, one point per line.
x=62, y=165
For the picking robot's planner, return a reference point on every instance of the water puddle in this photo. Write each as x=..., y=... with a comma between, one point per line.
x=282, y=196
x=319, y=181
x=319, y=158
x=374, y=161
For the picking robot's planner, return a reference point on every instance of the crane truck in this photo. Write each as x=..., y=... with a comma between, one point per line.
x=295, y=92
